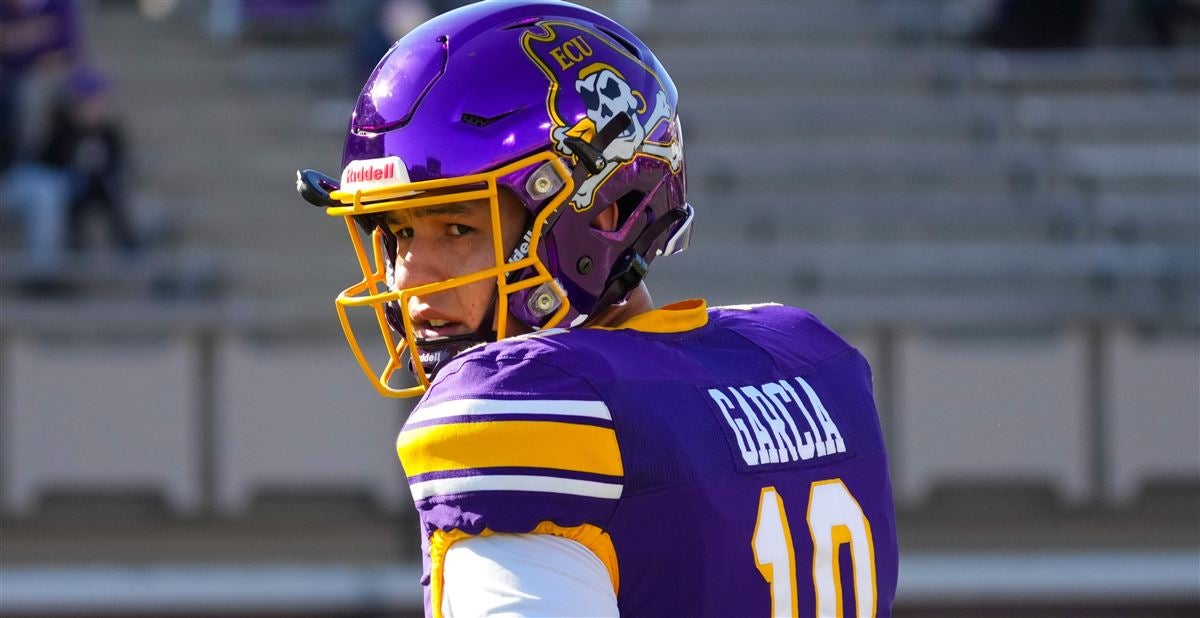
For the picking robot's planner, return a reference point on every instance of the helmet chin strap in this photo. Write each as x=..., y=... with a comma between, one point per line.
x=437, y=353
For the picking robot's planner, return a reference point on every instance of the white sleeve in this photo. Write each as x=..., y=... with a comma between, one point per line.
x=525, y=575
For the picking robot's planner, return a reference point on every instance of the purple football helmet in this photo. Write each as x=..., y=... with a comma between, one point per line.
x=558, y=106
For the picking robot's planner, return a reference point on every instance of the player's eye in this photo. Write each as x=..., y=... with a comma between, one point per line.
x=399, y=226
x=458, y=229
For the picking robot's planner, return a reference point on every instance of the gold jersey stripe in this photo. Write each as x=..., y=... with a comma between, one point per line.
x=534, y=444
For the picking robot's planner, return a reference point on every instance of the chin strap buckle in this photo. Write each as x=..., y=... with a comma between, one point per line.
x=591, y=154
x=629, y=270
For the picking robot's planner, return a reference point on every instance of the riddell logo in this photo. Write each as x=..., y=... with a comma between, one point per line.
x=522, y=249
x=372, y=173
x=368, y=172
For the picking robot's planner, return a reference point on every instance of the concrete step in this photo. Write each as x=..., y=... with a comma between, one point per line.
x=730, y=117
x=1113, y=117
x=810, y=22
x=792, y=71
x=1088, y=70
x=806, y=216
x=896, y=168
x=941, y=285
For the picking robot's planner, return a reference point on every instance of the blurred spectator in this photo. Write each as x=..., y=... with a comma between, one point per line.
x=1167, y=20
x=1038, y=24
x=1062, y=24
x=38, y=40
x=39, y=195
x=86, y=143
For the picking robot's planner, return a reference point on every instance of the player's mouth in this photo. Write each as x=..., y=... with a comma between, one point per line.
x=436, y=328
x=430, y=325
x=439, y=338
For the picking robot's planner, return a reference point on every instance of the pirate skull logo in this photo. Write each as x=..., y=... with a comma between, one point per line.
x=606, y=95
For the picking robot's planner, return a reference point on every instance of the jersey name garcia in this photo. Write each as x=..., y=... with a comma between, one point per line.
x=720, y=462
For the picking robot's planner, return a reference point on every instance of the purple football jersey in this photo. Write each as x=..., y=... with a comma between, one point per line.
x=720, y=462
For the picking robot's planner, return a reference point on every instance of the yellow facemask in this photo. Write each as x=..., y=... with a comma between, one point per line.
x=374, y=291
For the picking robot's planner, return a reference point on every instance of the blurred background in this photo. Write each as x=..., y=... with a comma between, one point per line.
x=998, y=201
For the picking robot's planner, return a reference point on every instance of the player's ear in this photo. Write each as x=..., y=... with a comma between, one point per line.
x=607, y=221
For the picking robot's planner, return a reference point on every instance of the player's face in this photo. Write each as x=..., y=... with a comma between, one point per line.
x=441, y=242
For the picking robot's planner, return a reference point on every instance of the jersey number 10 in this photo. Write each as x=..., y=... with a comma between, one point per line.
x=834, y=517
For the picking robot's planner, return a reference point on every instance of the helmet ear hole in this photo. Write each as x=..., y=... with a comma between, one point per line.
x=625, y=206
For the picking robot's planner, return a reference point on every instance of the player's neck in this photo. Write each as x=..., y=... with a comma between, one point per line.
x=637, y=303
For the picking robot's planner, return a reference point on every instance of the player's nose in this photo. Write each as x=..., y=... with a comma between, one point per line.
x=418, y=264
x=415, y=273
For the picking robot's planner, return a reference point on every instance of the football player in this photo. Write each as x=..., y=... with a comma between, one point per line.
x=509, y=174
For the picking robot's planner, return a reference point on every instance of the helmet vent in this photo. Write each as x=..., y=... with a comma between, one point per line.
x=521, y=23
x=629, y=47
x=627, y=205
x=478, y=121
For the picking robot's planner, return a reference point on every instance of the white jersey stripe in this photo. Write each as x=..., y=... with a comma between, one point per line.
x=514, y=482
x=749, y=307
x=482, y=407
